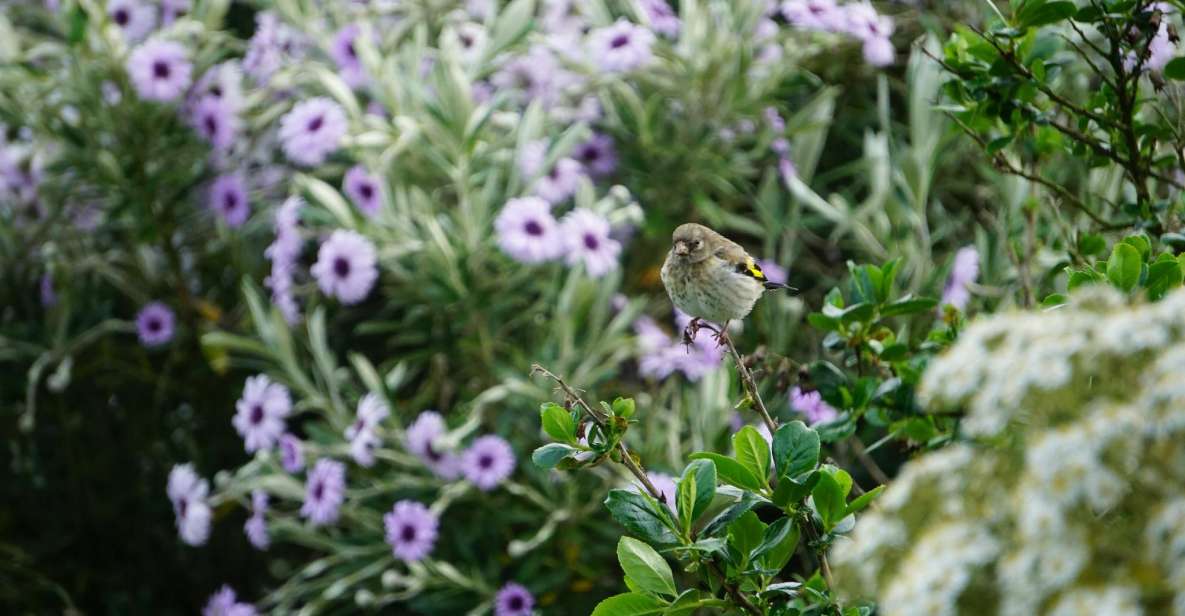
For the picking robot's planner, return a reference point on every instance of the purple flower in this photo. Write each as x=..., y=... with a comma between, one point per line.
x=661, y=16
x=863, y=22
x=273, y=44
x=283, y=253
x=363, y=189
x=256, y=526
x=188, y=493
x=560, y=182
x=666, y=485
x=879, y=51
x=171, y=10
x=346, y=266
x=154, y=324
x=812, y=406
x=513, y=600
x=526, y=230
x=773, y=271
x=774, y=119
x=586, y=238
x=363, y=433
x=341, y=49
x=822, y=15
x=216, y=120
x=660, y=356
x=421, y=439
x=160, y=70
x=224, y=603
x=1161, y=49
x=787, y=170
x=260, y=413
x=312, y=131
x=488, y=462
x=597, y=155
x=291, y=453
x=325, y=489
x=134, y=18
x=703, y=356
x=228, y=197
x=48, y=297
x=472, y=38
x=621, y=47
x=411, y=530
x=532, y=75
x=963, y=273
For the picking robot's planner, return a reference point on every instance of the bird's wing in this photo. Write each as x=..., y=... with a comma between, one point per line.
x=740, y=261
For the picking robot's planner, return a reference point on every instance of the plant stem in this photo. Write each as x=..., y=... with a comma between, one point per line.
x=749, y=384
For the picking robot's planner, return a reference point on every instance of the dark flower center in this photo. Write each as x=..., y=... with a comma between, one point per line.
x=485, y=461
x=408, y=533
x=350, y=50
x=160, y=69
x=591, y=242
x=216, y=91
x=554, y=173
x=121, y=17
x=211, y=125
x=318, y=490
x=359, y=425
x=153, y=325
x=341, y=267
x=367, y=191
x=182, y=506
x=466, y=40
x=315, y=124
x=256, y=414
x=515, y=603
x=590, y=154
x=619, y=41
x=432, y=454
x=230, y=201
x=533, y=228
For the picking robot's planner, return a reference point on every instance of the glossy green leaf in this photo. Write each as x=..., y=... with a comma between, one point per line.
x=1175, y=69
x=909, y=306
x=558, y=422
x=1038, y=13
x=796, y=449
x=752, y=452
x=645, y=566
x=730, y=471
x=1123, y=268
x=549, y=455
x=638, y=515
x=696, y=490
x=864, y=500
x=629, y=604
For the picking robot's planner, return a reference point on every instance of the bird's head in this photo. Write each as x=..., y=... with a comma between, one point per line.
x=690, y=242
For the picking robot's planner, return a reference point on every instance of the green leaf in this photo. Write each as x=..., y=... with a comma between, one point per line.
x=550, y=454
x=1079, y=278
x=1091, y=244
x=745, y=533
x=863, y=500
x=637, y=514
x=642, y=564
x=1163, y=276
x=1052, y=300
x=624, y=407
x=730, y=471
x=752, y=452
x=696, y=490
x=558, y=422
x=791, y=491
x=796, y=449
x=1123, y=268
x=728, y=515
x=777, y=544
x=629, y=604
x=909, y=306
x=1141, y=243
x=688, y=602
x=1175, y=69
x=829, y=499
x=822, y=322
x=78, y=19
x=1038, y=13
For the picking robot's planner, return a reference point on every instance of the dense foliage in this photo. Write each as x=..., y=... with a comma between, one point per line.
x=320, y=301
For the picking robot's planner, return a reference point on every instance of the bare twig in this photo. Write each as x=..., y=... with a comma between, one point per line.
x=749, y=384
x=867, y=462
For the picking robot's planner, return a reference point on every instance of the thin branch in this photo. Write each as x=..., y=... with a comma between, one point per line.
x=749, y=384
x=867, y=462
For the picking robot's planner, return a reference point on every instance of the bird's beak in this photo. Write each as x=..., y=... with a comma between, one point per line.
x=681, y=248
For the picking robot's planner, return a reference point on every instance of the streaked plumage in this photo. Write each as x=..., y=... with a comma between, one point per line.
x=711, y=277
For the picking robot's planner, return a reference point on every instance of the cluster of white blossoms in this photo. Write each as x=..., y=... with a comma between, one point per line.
x=1067, y=495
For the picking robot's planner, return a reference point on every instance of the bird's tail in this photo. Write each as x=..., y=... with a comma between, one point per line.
x=775, y=286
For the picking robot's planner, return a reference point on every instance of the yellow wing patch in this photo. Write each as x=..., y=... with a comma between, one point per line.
x=750, y=268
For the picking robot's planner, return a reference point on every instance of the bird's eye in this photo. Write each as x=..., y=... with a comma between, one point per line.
x=695, y=244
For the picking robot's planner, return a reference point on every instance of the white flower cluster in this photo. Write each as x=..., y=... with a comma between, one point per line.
x=1074, y=503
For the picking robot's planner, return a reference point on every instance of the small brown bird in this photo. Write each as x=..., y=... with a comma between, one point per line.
x=711, y=277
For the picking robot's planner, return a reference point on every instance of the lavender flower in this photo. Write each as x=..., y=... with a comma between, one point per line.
x=421, y=441
x=363, y=433
x=962, y=274
x=216, y=120
x=560, y=183
x=225, y=603
x=666, y=486
x=325, y=490
x=160, y=70
x=135, y=18
x=773, y=271
x=341, y=49
x=532, y=76
x=312, y=131
x=346, y=266
x=228, y=197
x=526, y=230
x=812, y=406
x=703, y=356
x=45, y=291
x=363, y=189
x=273, y=44
x=787, y=170
x=411, y=530
x=291, y=453
x=154, y=324
x=586, y=238
x=172, y=10
x=283, y=253
x=188, y=493
x=260, y=413
x=598, y=155
x=621, y=47
x=821, y=15
x=513, y=600
x=659, y=355
x=661, y=17
x=862, y=21
x=488, y=462
x=879, y=51
x=472, y=38
x=256, y=526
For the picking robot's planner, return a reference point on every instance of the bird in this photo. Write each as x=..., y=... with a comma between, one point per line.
x=711, y=278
